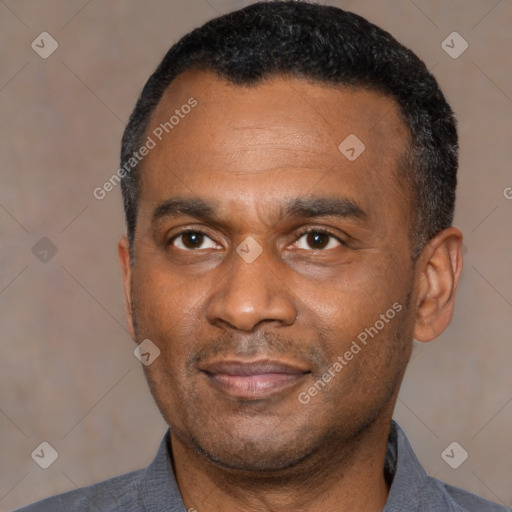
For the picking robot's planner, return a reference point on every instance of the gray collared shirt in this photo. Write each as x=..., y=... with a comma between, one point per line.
x=154, y=489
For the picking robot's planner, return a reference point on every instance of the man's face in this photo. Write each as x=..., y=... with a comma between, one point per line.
x=246, y=335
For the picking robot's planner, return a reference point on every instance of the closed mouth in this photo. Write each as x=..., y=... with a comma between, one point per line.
x=254, y=379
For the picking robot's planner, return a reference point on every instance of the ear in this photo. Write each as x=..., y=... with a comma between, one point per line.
x=437, y=276
x=123, y=254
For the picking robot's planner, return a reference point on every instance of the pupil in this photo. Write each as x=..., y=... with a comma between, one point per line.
x=318, y=240
x=192, y=240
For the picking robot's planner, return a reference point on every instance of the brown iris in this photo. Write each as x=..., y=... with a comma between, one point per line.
x=192, y=239
x=317, y=240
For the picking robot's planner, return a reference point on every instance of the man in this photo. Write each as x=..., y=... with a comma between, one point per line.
x=289, y=178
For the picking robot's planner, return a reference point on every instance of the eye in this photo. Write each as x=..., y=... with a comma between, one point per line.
x=190, y=240
x=317, y=240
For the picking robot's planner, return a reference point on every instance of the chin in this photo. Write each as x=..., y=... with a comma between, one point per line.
x=252, y=458
x=251, y=451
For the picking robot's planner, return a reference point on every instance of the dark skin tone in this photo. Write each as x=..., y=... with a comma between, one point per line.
x=240, y=341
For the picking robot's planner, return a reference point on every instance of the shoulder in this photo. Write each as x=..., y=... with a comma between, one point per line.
x=463, y=501
x=413, y=489
x=116, y=494
x=151, y=488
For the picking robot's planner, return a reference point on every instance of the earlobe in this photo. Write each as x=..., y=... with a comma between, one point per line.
x=123, y=254
x=437, y=276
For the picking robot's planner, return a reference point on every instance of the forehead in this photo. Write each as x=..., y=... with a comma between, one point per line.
x=295, y=134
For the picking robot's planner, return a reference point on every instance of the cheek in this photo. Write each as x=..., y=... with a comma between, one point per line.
x=161, y=299
x=166, y=313
x=166, y=310
x=352, y=295
x=362, y=313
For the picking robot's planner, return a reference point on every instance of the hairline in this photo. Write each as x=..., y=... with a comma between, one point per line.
x=405, y=160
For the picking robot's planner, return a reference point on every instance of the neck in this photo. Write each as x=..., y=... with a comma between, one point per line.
x=339, y=478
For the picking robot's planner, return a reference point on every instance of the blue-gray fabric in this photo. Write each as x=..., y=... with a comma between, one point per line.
x=154, y=489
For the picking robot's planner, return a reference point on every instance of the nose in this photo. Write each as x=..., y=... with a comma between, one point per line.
x=251, y=294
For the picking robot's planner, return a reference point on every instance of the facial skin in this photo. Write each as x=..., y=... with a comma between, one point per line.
x=261, y=158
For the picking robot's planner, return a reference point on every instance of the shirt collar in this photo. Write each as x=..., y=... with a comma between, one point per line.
x=411, y=488
x=159, y=488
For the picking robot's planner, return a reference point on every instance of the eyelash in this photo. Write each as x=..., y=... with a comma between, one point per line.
x=322, y=231
x=299, y=235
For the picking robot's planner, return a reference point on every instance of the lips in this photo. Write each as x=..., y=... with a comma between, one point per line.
x=253, y=380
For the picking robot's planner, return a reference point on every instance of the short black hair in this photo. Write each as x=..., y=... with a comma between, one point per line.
x=332, y=46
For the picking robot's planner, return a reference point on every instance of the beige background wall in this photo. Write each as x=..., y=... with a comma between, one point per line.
x=68, y=375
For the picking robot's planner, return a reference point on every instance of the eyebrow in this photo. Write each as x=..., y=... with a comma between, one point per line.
x=325, y=207
x=299, y=207
x=178, y=207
